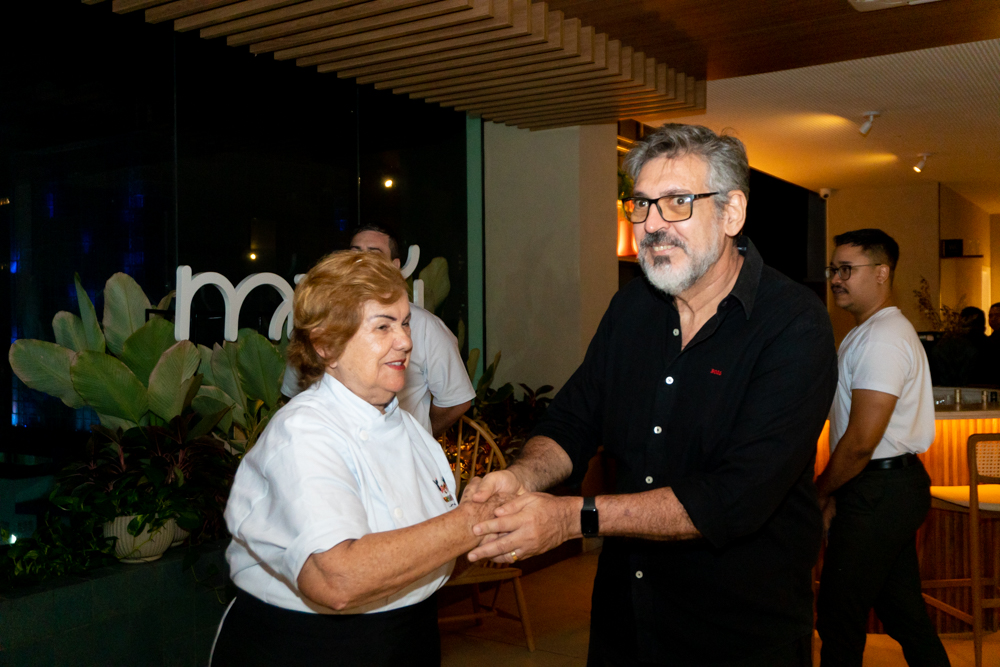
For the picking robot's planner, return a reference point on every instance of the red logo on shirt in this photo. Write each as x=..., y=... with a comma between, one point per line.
x=716, y=372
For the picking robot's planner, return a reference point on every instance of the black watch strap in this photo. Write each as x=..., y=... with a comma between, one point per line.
x=590, y=524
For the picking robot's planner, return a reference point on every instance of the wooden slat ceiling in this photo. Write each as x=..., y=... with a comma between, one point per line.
x=722, y=39
x=508, y=61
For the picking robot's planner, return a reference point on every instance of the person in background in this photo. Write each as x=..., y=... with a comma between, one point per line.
x=437, y=390
x=708, y=384
x=967, y=358
x=875, y=492
x=343, y=517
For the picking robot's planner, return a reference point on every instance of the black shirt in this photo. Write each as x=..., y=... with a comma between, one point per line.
x=731, y=424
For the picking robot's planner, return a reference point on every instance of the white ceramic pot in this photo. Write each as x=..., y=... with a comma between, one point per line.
x=142, y=548
x=179, y=535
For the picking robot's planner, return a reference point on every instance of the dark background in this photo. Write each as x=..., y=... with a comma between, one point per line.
x=128, y=147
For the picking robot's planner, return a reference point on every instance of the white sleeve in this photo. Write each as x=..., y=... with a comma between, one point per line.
x=303, y=499
x=883, y=366
x=447, y=377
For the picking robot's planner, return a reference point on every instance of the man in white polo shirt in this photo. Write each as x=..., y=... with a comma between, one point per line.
x=875, y=493
x=437, y=390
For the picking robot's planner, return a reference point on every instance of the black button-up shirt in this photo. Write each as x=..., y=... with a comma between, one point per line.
x=730, y=423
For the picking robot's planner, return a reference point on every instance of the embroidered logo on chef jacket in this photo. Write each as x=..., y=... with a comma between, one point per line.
x=442, y=486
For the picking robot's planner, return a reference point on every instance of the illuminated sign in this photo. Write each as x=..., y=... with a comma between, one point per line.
x=188, y=285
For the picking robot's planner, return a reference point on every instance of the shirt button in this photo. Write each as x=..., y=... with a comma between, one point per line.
x=638, y=575
x=677, y=332
x=363, y=435
x=657, y=430
x=649, y=480
x=398, y=512
x=670, y=380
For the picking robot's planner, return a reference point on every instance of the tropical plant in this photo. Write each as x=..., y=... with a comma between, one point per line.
x=57, y=548
x=508, y=418
x=946, y=319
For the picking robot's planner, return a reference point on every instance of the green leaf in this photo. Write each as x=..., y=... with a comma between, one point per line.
x=261, y=367
x=172, y=379
x=211, y=419
x=221, y=398
x=436, y=283
x=45, y=367
x=225, y=370
x=91, y=329
x=125, y=307
x=205, y=369
x=460, y=334
x=108, y=386
x=164, y=303
x=472, y=363
x=143, y=349
x=69, y=331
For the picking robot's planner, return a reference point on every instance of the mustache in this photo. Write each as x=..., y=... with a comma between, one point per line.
x=661, y=237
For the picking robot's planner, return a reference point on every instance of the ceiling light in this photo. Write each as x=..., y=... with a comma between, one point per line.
x=253, y=255
x=388, y=183
x=866, y=126
x=923, y=161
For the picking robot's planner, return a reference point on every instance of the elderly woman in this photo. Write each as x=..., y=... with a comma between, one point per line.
x=343, y=515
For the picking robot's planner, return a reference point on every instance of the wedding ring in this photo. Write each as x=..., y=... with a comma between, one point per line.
x=513, y=556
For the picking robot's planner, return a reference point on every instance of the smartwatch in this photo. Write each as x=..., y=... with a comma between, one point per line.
x=589, y=523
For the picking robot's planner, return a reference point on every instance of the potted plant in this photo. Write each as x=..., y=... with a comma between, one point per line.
x=143, y=385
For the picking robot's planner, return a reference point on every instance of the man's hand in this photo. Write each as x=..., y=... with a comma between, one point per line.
x=503, y=482
x=828, y=505
x=531, y=524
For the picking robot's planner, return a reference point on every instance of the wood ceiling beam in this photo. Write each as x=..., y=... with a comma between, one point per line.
x=580, y=49
x=603, y=65
x=126, y=6
x=635, y=73
x=553, y=47
x=178, y=8
x=239, y=10
x=303, y=16
x=477, y=15
x=525, y=28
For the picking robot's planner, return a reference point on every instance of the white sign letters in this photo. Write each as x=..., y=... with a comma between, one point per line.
x=233, y=297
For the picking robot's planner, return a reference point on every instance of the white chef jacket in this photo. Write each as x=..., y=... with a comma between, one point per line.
x=884, y=354
x=435, y=370
x=330, y=467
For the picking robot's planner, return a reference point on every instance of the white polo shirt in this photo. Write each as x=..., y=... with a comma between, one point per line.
x=435, y=371
x=884, y=354
x=330, y=467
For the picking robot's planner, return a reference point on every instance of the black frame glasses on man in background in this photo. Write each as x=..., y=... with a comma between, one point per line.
x=672, y=208
x=844, y=270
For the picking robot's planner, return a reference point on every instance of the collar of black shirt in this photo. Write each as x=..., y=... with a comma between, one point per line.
x=745, y=289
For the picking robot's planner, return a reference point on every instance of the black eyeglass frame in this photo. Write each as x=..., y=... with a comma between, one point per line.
x=656, y=202
x=831, y=270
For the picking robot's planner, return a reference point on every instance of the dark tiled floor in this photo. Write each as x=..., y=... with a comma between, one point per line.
x=558, y=600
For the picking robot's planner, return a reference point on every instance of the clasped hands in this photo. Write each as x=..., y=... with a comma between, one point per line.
x=526, y=523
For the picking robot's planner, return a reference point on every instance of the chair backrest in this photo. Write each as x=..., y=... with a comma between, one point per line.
x=472, y=449
x=984, y=458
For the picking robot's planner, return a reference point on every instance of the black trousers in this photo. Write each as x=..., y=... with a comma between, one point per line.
x=604, y=652
x=257, y=634
x=871, y=562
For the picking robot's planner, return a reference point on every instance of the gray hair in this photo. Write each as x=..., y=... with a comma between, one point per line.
x=726, y=156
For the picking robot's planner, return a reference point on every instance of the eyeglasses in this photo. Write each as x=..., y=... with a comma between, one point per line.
x=844, y=270
x=672, y=208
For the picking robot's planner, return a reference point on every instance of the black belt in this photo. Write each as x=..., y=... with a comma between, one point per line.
x=893, y=462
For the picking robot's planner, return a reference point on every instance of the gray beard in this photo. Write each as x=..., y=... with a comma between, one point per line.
x=668, y=278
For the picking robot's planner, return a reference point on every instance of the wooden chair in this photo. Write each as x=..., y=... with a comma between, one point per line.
x=980, y=501
x=473, y=451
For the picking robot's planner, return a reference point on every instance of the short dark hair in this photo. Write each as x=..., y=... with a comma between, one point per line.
x=393, y=241
x=973, y=320
x=878, y=245
x=995, y=305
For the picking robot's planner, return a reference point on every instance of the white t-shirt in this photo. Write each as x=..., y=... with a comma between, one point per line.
x=330, y=467
x=884, y=354
x=436, y=369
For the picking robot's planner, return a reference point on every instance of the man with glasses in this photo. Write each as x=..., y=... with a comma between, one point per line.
x=708, y=385
x=875, y=492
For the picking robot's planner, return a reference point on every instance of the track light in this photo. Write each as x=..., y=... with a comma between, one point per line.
x=923, y=161
x=866, y=126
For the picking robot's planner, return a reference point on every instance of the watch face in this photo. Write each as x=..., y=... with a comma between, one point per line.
x=589, y=523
